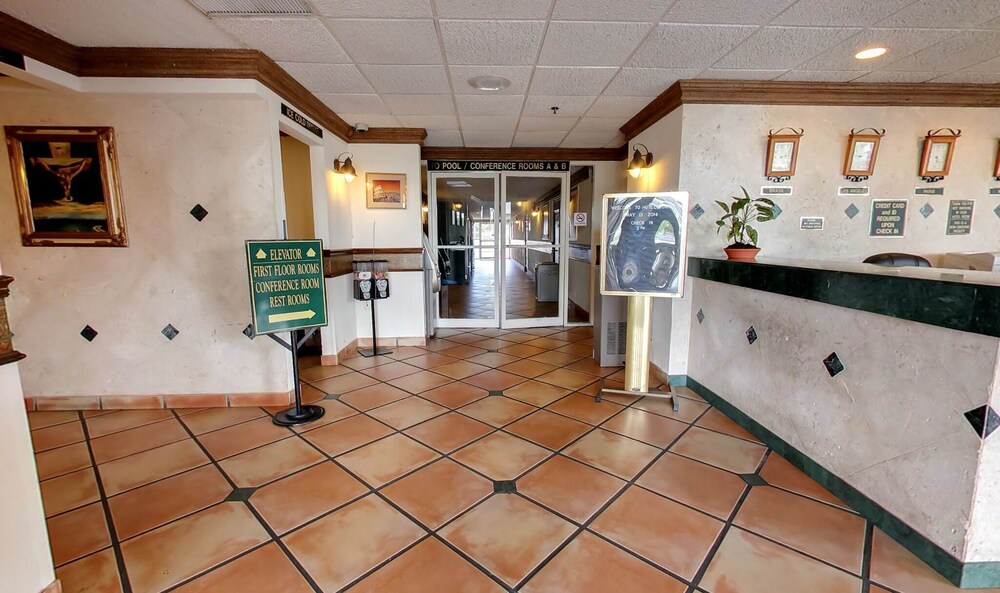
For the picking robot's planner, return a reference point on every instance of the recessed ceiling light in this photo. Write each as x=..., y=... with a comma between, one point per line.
x=871, y=52
x=488, y=82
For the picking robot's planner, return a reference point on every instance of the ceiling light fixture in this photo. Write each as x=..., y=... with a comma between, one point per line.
x=489, y=82
x=870, y=53
x=345, y=168
x=639, y=162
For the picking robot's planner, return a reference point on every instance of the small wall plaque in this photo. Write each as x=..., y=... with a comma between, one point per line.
x=888, y=218
x=995, y=191
x=960, y=217
x=776, y=190
x=928, y=191
x=860, y=190
x=811, y=223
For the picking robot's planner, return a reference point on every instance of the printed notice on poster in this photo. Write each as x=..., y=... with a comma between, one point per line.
x=646, y=237
x=888, y=218
x=960, y=217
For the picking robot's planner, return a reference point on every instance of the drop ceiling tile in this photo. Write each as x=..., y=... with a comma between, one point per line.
x=372, y=119
x=735, y=74
x=970, y=77
x=489, y=104
x=386, y=41
x=616, y=143
x=290, y=39
x=955, y=53
x=394, y=9
x=530, y=138
x=618, y=106
x=600, y=124
x=842, y=13
x=774, y=48
x=429, y=122
x=353, y=103
x=419, y=104
x=590, y=44
x=328, y=78
x=443, y=138
x=648, y=11
x=735, y=12
x=561, y=80
x=481, y=138
x=590, y=139
x=504, y=43
x=888, y=76
x=547, y=124
x=519, y=76
x=688, y=46
x=489, y=123
x=900, y=42
x=407, y=79
x=123, y=23
x=821, y=75
x=492, y=9
x=647, y=81
x=569, y=106
x=943, y=14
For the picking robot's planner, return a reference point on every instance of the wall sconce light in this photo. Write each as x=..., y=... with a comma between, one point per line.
x=457, y=206
x=345, y=167
x=640, y=161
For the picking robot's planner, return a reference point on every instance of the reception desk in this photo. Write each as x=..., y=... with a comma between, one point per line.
x=874, y=381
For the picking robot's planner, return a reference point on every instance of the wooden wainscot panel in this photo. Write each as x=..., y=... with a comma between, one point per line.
x=7, y=352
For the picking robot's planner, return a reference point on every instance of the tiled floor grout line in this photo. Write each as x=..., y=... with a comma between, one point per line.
x=267, y=528
x=112, y=531
x=866, y=559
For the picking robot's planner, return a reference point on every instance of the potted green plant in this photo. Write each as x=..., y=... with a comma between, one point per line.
x=739, y=213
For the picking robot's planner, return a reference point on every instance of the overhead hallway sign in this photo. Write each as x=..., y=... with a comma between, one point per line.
x=287, y=290
x=516, y=166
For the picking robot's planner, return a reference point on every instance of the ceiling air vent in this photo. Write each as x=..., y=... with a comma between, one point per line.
x=252, y=7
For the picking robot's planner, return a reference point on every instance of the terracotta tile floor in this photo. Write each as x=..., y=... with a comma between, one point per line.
x=403, y=487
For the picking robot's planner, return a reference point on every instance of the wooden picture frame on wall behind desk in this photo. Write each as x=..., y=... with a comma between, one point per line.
x=996, y=165
x=862, y=150
x=939, y=149
x=782, y=154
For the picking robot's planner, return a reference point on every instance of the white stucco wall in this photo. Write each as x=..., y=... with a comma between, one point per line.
x=174, y=152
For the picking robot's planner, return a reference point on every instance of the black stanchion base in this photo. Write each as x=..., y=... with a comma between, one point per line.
x=369, y=352
x=290, y=418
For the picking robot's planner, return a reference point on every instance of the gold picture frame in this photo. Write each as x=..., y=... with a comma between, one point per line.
x=385, y=190
x=67, y=186
x=938, y=151
x=862, y=151
x=782, y=154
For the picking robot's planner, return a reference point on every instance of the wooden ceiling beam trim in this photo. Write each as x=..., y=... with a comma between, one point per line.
x=32, y=42
x=460, y=153
x=742, y=92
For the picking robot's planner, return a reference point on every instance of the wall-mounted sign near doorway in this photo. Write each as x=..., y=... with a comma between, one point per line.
x=520, y=166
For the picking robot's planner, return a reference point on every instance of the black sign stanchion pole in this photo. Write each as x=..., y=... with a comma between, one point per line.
x=299, y=414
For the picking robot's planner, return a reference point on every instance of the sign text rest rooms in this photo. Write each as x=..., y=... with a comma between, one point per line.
x=287, y=287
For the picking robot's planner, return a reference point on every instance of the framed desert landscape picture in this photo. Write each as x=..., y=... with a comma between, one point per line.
x=386, y=190
x=67, y=186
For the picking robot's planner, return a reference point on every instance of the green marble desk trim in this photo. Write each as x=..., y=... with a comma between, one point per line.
x=961, y=304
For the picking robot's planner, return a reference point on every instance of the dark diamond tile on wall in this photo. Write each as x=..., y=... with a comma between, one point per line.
x=248, y=331
x=833, y=364
x=697, y=211
x=88, y=333
x=170, y=332
x=199, y=213
x=851, y=211
x=751, y=335
x=984, y=420
x=701, y=316
x=926, y=210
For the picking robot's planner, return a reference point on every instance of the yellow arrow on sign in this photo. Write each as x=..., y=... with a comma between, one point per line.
x=293, y=316
x=260, y=254
x=311, y=253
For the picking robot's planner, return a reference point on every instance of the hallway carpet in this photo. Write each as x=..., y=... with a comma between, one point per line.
x=478, y=463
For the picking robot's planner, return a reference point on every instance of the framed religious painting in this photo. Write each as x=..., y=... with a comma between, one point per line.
x=862, y=150
x=67, y=186
x=782, y=154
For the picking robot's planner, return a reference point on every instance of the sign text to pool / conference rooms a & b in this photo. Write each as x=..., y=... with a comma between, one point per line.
x=287, y=289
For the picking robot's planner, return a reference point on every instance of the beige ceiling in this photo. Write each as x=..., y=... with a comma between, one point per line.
x=407, y=62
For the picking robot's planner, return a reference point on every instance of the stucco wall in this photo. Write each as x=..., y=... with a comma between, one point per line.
x=174, y=152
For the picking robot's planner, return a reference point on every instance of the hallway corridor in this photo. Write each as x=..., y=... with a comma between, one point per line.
x=478, y=463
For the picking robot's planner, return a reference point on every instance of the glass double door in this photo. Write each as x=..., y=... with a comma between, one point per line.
x=499, y=246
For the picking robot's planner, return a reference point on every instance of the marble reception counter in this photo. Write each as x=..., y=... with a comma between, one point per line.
x=881, y=383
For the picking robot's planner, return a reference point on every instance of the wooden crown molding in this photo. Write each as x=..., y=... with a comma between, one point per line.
x=460, y=153
x=135, y=62
x=764, y=92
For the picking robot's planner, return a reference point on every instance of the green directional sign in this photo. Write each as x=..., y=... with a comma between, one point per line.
x=287, y=291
